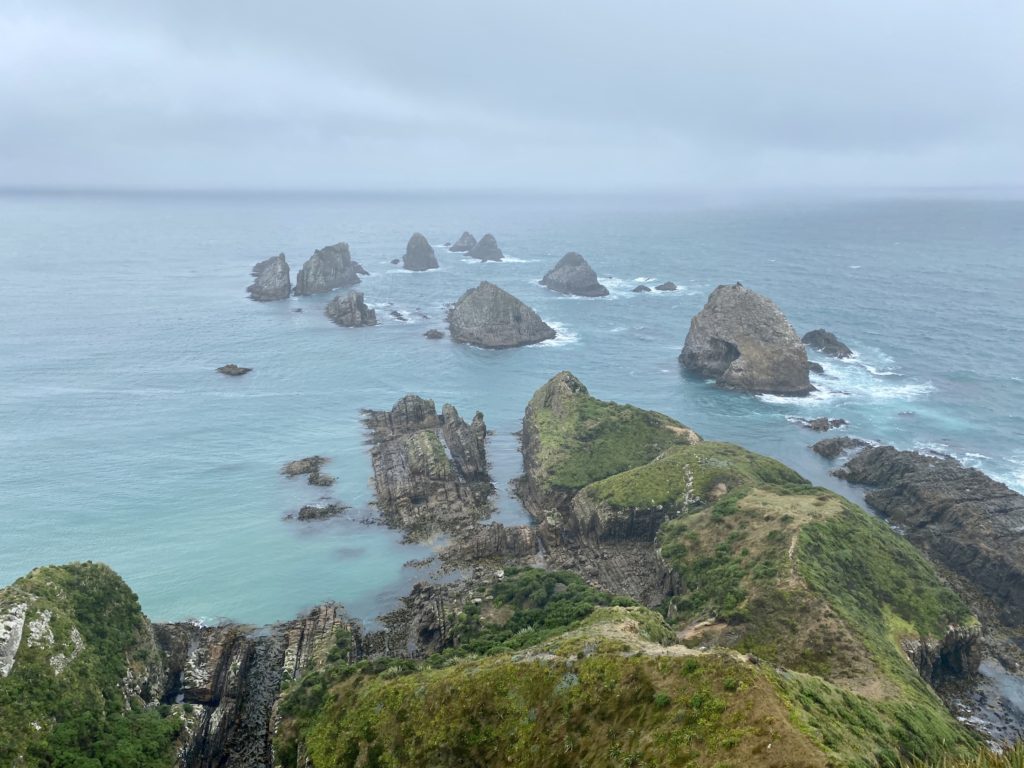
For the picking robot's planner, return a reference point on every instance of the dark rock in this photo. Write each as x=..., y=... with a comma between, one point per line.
x=309, y=466
x=327, y=269
x=321, y=511
x=743, y=341
x=273, y=280
x=822, y=423
x=641, y=289
x=826, y=342
x=962, y=518
x=953, y=658
x=814, y=367
x=419, y=255
x=399, y=316
x=233, y=370
x=430, y=472
x=433, y=333
x=487, y=316
x=667, y=286
x=486, y=250
x=396, y=261
x=832, y=447
x=463, y=244
x=350, y=311
x=320, y=478
x=573, y=275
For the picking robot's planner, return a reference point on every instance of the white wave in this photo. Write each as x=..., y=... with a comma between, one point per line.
x=513, y=260
x=564, y=337
x=855, y=266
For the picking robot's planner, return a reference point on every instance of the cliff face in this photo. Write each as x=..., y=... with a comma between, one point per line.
x=743, y=341
x=967, y=521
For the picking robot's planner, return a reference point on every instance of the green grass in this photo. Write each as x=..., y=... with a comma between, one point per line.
x=83, y=716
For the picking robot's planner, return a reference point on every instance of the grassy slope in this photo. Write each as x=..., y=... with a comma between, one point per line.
x=84, y=720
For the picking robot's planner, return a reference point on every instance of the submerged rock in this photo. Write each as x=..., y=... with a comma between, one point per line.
x=743, y=341
x=573, y=275
x=273, y=280
x=327, y=269
x=233, y=370
x=463, y=244
x=487, y=249
x=964, y=519
x=490, y=317
x=309, y=466
x=814, y=367
x=350, y=311
x=667, y=286
x=433, y=333
x=641, y=289
x=419, y=254
x=822, y=423
x=320, y=511
x=826, y=342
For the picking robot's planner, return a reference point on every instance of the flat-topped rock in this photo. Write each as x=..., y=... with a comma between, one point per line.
x=465, y=243
x=827, y=343
x=233, y=370
x=350, y=311
x=328, y=268
x=743, y=341
x=486, y=249
x=419, y=254
x=487, y=316
x=574, y=276
x=272, y=280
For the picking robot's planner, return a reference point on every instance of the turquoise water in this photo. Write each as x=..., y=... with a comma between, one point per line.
x=120, y=443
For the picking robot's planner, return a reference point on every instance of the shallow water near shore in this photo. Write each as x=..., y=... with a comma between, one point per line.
x=120, y=443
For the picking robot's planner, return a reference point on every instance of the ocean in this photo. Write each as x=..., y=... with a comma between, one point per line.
x=120, y=443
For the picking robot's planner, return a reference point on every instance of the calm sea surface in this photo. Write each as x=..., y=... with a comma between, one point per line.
x=119, y=442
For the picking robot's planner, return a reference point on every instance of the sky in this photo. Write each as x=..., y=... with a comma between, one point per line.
x=511, y=95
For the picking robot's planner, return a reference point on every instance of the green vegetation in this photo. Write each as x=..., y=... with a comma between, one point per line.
x=76, y=713
x=581, y=439
x=1012, y=758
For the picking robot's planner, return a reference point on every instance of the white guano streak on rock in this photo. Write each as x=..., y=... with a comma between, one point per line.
x=11, y=626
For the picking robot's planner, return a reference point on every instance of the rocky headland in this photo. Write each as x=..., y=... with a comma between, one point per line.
x=574, y=276
x=486, y=249
x=272, y=280
x=487, y=316
x=419, y=254
x=743, y=341
x=327, y=269
x=350, y=311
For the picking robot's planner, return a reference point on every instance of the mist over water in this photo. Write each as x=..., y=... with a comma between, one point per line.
x=121, y=443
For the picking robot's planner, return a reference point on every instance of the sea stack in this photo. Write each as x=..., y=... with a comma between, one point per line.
x=487, y=316
x=487, y=249
x=328, y=268
x=827, y=343
x=463, y=244
x=574, y=276
x=419, y=255
x=273, y=280
x=743, y=341
x=350, y=311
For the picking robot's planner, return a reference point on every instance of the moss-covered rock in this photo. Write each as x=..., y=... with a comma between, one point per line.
x=84, y=675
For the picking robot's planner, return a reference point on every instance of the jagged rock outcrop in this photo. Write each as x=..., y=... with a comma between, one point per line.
x=465, y=243
x=574, y=276
x=486, y=249
x=964, y=519
x=827, y=343
x=744, y=342
x=487, y=316
x=953, y=658
x=430, y=471
x=272, y=280
x=419, y=254
x=328, y=268
x=233, y=370
x=233, y=676
x=832, y=447
x=350, y=311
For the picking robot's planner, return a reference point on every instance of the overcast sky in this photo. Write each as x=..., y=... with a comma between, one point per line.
x=475, y=94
